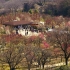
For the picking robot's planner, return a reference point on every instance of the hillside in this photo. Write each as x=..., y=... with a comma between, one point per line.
x=6, y=2
x=6, y=5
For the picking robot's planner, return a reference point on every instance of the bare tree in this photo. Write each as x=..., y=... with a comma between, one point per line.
x=62, y=39
x=29, y=55
x=41, y=56
x=12, y=56
x=12, y=52
x=45, y=55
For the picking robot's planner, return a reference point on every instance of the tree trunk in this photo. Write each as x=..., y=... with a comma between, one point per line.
x=39, y=64
x=61, y=58
x=43, y=62
x=66, y=61
x=29, y=66
x=12, y=68
x=43, y=66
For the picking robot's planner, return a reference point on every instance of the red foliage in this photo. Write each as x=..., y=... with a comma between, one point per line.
x=41, y=35
x=45, y=44
x=12, y=38
x=56, y=50
x=65, y=45
x=31, y=38
x=49, y=34
x=48, y=21
x=68, y=23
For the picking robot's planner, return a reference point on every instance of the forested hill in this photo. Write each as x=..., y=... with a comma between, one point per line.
x=7, y=3
x=52, y=7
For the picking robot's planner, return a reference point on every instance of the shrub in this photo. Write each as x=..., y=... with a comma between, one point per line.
x=63, y=68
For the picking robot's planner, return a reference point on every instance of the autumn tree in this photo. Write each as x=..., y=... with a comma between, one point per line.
x=39, y=44
x=29, y=55
x=36, y=40
x=41, y=56
x=42, y=53
x=39, y=39
x=56, y=52
x=12, y=52
x=45, y=55
x=32, y=39
x=61, y=37
x=38, y=54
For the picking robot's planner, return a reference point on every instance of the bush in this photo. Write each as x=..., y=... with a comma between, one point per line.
x=63, y=68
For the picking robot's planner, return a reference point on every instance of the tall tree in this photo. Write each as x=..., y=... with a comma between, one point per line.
x=62, y=39
x=12, y=52
x=29, y=55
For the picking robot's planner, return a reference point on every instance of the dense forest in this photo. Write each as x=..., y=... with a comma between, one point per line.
x=52, y=7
